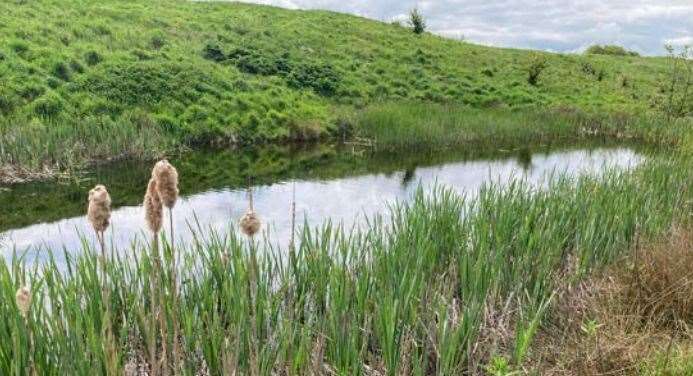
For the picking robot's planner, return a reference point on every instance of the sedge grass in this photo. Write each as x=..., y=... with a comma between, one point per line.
x=412, y=294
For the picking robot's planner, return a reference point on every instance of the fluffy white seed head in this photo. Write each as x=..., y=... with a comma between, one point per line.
x=23, y=300
x=250, y=223
x=99, y=209
x=153, y=208
x=166, y=177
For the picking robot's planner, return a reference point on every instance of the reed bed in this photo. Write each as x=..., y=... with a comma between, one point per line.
x=441, y=287
x=395, y=125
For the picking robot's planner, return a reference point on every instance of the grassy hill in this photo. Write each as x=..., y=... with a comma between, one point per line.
x=94, y=80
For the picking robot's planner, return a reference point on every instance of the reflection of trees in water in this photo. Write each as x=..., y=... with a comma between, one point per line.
x=524, y=158
x=408, y=176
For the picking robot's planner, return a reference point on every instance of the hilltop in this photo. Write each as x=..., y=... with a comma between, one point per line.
x=99, y=80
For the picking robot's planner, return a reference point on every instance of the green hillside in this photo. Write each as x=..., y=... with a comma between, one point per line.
x=89, y=80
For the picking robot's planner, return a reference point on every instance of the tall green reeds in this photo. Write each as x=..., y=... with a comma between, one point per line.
x=422, y=291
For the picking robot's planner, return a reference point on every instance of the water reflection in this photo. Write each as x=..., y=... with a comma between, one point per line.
x=357, y=190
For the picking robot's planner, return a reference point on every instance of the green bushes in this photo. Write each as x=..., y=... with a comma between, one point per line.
x=612, y=50
x=417, y=22
x=49, y=105
x=93, y=57
x=536, y=66
x=321, y=78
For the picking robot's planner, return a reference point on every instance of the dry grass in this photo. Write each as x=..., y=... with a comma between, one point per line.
x=634, y=318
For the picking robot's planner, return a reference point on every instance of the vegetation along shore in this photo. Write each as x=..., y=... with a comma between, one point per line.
x=93, y=81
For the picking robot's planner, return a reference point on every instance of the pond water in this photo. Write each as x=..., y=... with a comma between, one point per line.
x=340, y=184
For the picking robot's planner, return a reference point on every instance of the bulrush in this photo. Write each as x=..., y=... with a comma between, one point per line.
x=250, y=223
x=153, y=208
x=166, y=177
x=99, y=210
x=23, y=299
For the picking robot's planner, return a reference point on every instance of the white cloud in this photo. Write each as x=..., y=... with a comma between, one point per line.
x=557, y=25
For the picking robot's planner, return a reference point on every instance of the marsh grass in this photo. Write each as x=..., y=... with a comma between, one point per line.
x=396, y=125
x=415, y=294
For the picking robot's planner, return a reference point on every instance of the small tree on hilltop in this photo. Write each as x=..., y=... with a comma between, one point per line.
x=417, y=22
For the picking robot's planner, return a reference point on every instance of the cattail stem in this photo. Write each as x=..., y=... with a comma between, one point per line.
x=174, y=297
x=252, y=301
x=109, y=341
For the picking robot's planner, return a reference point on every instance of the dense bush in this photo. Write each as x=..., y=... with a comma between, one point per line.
x=536, y=66
x=417, y=22
x=61, y=70
x=610, y=50
x=92, y=57
x=149, y=83
x=321, y=78
x=48, y=105
x=212, y=51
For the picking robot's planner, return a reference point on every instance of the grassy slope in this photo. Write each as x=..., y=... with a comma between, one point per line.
x=86, y=80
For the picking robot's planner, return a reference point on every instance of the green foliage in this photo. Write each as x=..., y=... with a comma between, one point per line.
x=282, y=78
x=536, y=66
x=49, y=105
x=413, y=291
x=612, y=50
x=61, y=70
x=417, y=22
x=93, y=57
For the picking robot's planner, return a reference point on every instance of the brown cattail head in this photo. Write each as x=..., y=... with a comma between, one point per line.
x=99, y=210
x=153, y=208
x=166, y=177
x=250, y=223
x=23, y=299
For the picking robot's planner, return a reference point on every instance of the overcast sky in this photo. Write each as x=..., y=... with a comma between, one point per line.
x=555, y=25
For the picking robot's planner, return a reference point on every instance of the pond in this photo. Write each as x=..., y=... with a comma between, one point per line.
x=341, y=184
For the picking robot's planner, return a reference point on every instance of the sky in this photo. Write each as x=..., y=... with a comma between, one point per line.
x=553, y=25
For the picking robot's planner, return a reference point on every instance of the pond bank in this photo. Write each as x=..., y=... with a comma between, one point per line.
x=26, y=157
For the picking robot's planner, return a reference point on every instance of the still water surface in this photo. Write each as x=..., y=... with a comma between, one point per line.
x=340, y=186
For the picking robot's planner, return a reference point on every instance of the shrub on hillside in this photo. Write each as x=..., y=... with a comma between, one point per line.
x=212, y=51
x=535, y=68
x=6, y=101
x=48, y=105
x=61, y=71
x=92, y=58
x=613, y=50
x=148, y=83
x=416, y=21
x=322, y=78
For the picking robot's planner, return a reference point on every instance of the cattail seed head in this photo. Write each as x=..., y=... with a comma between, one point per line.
x=153, y=208
x=99, y=209
x=166, y=177
x=250, y=223
x=23, y=300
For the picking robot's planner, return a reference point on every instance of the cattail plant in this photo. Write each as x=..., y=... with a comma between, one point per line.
x=153, y=215
x=23, y=300
x=166, y=178
x=99, y=214
x=250, y=224
x=153, y=210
